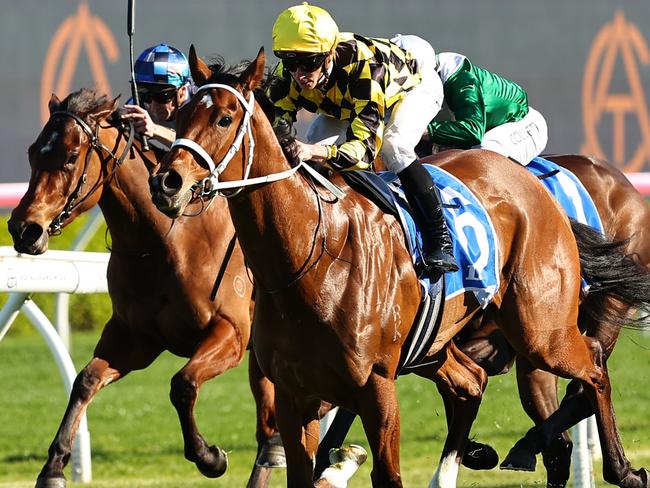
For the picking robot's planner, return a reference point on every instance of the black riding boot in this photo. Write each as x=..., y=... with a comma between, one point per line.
x=424, y=200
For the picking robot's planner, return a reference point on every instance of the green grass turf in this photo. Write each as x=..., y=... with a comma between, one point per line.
x=136, y=440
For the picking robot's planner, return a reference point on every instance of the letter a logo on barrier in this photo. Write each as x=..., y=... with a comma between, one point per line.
x=85, y=29
x=619, y=41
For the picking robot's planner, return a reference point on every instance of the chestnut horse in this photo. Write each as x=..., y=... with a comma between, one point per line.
x=337, y=291
x=625, y=215
x=160, y=273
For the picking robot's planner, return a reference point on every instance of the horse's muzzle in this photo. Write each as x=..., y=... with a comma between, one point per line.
x=29, y=237
x=165, y=197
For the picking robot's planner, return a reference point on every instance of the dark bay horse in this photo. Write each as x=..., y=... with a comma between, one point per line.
x=338, y=292
x=160, y=274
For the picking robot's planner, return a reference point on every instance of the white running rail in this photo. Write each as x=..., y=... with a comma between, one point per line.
x=53, y=272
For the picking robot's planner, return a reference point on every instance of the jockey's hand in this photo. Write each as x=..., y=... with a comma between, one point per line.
x=142, y=122
x=315, y=153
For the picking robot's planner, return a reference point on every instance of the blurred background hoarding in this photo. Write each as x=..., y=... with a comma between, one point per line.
x=584, y=63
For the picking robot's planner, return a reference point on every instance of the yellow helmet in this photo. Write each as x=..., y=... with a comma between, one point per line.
x=304, y=28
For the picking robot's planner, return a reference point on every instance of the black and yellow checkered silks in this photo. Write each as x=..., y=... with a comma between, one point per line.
x=369, y=76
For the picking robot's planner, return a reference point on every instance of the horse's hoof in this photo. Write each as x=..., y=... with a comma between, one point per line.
x=272, y=454
x=354, y=453
x=639, y=478
x=557, y=460
x=480, y=456
x=521, y=457
x=214, y=464
x=50, y=483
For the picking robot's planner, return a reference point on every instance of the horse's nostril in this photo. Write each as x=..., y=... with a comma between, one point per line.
x=31, y=233
x=172, y=181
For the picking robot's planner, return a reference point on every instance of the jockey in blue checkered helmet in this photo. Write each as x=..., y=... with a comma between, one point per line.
x=162, y=64
x=164, y=83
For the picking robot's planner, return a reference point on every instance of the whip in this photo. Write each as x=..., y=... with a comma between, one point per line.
x=134, y=88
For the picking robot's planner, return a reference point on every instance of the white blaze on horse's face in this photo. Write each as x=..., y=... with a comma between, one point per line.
x=50, y=142
x=207, y=100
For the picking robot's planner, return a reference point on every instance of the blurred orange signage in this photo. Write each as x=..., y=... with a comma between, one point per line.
x=83, y=29
x=617, y=52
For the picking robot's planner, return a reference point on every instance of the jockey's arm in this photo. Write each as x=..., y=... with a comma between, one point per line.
x=465, y=99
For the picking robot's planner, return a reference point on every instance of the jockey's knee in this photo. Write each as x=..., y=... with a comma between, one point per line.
x=395, y=154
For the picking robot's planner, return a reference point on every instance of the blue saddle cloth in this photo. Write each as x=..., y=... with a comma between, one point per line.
x=472, y=235
x=470, y=227
x=473, y=238
x=568, y=190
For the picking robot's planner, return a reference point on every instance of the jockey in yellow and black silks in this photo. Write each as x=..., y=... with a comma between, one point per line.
x=373, y=97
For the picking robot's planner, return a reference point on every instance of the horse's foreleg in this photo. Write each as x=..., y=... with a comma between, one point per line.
x=220, y=351
x=461, y=383
x=87, y=383
x=379, y=413
x=117, y=353
x=298, y=423
x=270, y=452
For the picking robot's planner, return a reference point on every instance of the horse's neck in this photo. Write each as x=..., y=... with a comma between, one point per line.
x=276, y=222
x=131, y=217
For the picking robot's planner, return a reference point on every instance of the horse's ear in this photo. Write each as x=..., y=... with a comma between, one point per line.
x=252, y=76
x=102, y=112
x=54, y=103
x=200, y=71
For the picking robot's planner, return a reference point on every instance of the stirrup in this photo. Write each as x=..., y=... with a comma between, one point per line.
x=441, y=261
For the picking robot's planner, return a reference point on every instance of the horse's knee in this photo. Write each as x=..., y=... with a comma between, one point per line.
x=183, y=390
x=85, y=384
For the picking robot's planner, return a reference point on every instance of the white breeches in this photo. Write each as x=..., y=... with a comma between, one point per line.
x=522, y=140
x=406, y=121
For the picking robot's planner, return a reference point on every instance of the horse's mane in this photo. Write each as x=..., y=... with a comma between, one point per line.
x=84, y=101
x=222, y=73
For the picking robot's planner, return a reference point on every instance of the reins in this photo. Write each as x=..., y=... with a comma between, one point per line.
x=97, y=146
x=210, y=186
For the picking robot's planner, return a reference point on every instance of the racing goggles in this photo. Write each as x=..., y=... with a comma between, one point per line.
x=307, y=63
x=159, y=96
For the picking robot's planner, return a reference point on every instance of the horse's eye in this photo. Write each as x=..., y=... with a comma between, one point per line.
x=225, y=121
x=72, y=159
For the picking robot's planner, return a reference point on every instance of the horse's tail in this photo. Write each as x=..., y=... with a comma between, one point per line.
x=611, y=273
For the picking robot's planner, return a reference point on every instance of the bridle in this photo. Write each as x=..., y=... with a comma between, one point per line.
x=97, y=146
x=211, y=186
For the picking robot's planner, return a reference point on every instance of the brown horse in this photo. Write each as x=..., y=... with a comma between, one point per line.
x=160, y=274
x=626, y=217
x=338, y=292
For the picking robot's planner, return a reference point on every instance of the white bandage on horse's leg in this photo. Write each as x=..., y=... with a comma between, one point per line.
x=447, y=473
x=345, y=462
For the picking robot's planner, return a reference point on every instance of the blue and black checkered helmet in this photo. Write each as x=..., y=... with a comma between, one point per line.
x=162, y=64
